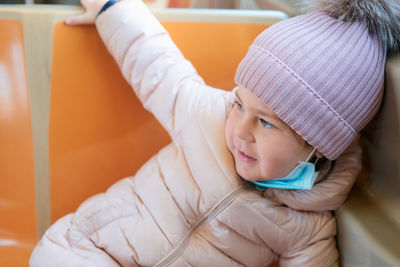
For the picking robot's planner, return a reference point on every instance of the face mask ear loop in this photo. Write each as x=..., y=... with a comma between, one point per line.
x=316, y=161
x=311, y=156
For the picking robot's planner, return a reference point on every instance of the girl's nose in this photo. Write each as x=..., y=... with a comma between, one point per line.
x=243, y=130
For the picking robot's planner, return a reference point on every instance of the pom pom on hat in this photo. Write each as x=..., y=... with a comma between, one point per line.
x=322, y=72
x=382, y=17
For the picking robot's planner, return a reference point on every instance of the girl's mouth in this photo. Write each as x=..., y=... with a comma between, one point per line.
x=244, y=157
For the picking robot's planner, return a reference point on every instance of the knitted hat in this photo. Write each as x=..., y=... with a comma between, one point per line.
x=321, y=75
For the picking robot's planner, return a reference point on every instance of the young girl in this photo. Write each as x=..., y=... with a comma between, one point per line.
x=306, y=87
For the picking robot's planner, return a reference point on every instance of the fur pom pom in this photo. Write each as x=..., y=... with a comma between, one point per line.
x=382, y=17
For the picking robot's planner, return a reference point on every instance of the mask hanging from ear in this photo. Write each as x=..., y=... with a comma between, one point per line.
x=302, y=177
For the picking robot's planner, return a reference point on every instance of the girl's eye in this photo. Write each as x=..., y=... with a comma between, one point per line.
x=239, y=106
x=266, y=124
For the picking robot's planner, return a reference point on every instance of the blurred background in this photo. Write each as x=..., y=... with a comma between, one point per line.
x=287, y=6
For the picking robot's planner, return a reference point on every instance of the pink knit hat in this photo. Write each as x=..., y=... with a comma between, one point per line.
x=322, y=76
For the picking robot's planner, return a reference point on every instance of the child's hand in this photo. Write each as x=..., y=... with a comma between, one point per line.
x=91, y=8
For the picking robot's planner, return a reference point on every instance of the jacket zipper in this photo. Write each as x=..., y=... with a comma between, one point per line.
x=223, y=203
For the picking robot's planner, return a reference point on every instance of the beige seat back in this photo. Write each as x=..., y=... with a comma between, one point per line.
x=369, y=222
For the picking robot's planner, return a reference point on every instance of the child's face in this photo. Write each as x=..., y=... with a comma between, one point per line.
x=263, y=146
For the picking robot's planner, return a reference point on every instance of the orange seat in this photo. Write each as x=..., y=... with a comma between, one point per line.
x=17, y=189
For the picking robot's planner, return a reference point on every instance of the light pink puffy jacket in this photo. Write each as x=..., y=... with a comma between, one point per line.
x=187, y=206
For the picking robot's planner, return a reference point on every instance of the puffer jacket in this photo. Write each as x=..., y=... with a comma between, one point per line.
x=187, y=206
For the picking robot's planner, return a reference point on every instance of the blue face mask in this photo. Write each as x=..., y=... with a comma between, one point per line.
x=302, y=177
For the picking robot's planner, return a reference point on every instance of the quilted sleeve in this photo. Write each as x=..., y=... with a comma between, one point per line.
x=55, y=249
x=321, y=253
x=166, y=83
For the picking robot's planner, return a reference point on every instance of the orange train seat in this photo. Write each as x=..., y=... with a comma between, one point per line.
x=88, y=128
x=17, y=189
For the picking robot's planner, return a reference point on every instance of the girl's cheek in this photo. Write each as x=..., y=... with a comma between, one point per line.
x=228, y=133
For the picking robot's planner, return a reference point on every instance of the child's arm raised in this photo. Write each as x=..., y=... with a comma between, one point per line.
x=165, y=82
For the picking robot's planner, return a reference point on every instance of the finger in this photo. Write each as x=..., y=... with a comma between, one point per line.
x=79, y=20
